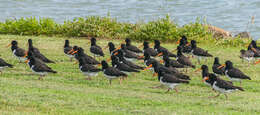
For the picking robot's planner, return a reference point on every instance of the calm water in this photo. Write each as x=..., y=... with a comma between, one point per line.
x=232, y=15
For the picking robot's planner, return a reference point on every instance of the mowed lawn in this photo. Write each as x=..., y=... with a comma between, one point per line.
x=67, y=92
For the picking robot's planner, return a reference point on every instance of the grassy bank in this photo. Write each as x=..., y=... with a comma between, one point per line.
x=164, y=29
x=69, y=93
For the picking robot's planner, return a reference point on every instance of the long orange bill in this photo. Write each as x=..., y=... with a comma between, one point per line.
x=26, y=61
x=205, y=78
x=159, y=54
x=8, y=45
x=26, y=54
x=116, y=53
x=140, y=57
x=257, y=62
x=148, y=67
x=117, y=48
x=155, y=74
x=70, y=51
x=254, y=50
x=223, y=65
x=161, y=61
x=199, y=69
x=178, y=42
x=74, y=52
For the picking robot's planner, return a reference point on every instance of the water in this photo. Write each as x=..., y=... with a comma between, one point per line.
x=231, y=15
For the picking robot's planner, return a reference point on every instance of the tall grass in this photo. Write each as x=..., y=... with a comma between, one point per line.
x=164, y=29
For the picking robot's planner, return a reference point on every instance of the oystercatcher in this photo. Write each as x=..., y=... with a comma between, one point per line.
x=37, y=60
x=148, y=60
x=79, y=53
x=221, y=86
x=121, y=66
x=183, y=59
x=198, y=52
x=95, y=49
x=129, y=55
x=216, y=70
x=131, y=47
x=37, y=53
x=87, y=69
x=170, y=80
x=160, y=49
x=111, y=72
x=38, y=68
x=129, y=63
x=186, y=47
x=233, y=73
x=19, y=53
x=4, y=64
x=171, y=62
x=149, y=50
x=246, y=55
x=112, y=48
x=67, y=49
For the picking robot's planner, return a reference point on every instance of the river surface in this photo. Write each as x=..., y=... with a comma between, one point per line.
x=231, y=15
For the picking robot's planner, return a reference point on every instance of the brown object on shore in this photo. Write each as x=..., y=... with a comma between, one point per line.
x=243, y=35
x=218, y=32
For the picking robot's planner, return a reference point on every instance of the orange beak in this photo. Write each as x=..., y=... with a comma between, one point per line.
x=74, y=52
x=148, y=67
x=223, y=65
x=161, y=61
x=254, y=50
x=198, y=70
x=26, y=61
x=178, y=42
x=70, y=51
x=116, y=53
x=257, y=62
x=141, y=57
x=26, y=54
x=117, y=48
x=205, y=78
x=8, y=45
x=155, y=74
x=159, y=54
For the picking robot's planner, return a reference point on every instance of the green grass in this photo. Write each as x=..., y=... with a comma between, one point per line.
x=69, y=93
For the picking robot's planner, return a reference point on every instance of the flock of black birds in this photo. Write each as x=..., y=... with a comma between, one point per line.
x=123, y=57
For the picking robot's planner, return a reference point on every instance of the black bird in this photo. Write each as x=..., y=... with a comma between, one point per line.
x=19, y=53
x=216, y=70
x=221, y=86
x=253, y=44
x=131, y=47
x=183, y=59
x=129, y=55
x=112, y=48
x=87, y=69
x=253, y=48
x=37, y=53
x=79, y=53
x=168, y=70
x=170, y=80
x=198, y=52
x=38, y=68
x=149, y=50
x=233, y=73
x=160, y=49
x=67, y=49
x=247, y=55
x=111, y=72
x=38, y=61
x=4, y=64
x=148, y=60
x=172, y=62
x=186, y=47
x=129, y=63
x=95, y=49
x=121, y=66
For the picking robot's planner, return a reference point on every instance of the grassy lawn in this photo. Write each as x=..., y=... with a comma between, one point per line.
x=67, y=92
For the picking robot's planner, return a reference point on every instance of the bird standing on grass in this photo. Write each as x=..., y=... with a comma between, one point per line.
x=95, y=49
x=19, y=53
x=4, y=64
x=197, y=52
x=131, y=47
x=87, y=69
x=216, y=69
